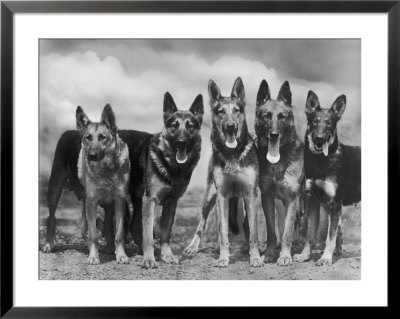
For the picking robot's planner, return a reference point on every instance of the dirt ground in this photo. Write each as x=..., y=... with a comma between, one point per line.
x=69, y=258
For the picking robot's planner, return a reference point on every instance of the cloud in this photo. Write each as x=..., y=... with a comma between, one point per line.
x=135, y=90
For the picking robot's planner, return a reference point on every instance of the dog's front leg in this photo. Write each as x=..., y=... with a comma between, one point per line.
x=335, y=221
x=148, y=212
x=120, y=207
x=91, y=212
x=268, y=204
x=250, y=203
x=167, y=220
x=285, y=257
x=312, y=209
x=223, y=239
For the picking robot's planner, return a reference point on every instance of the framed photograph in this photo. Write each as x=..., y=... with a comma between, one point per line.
x=164, y=154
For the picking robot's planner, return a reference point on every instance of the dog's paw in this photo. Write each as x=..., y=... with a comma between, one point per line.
x=47, y=248
x=170, y=259
x=284, y=260
x=191, y=250
x=222, y=263
x=122, y=259
x=324, y=261
x=149, y=263
x=300, y=258
x=256, y=262
x=268, y=258
x=93, y=260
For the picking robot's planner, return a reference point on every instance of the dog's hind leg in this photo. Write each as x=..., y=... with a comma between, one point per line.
x=312, y=209
x=109, y=228
x=83, y=225
x=58, y=176
x=233, y=212
x=167, y=220
x=136, y=225
x=208, y=204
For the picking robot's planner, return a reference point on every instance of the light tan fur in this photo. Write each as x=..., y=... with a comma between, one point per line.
x=103, y=169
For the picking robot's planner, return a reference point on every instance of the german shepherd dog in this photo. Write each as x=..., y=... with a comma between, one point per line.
x=233, y=173
x=103, y=169
x=65, y=167
x=169, y=162
x=280, y=158
x=332, y=172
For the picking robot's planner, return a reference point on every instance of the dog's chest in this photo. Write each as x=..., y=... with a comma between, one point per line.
x=163, y=191
x=238, y=182
x=103, y=181
x=282, y=179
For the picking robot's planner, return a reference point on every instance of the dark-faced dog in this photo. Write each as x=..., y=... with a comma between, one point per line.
x=103, y=169
x=332, y=172
x=233, y=173
x=280, y=158
x=171, y=157
x=65, y=166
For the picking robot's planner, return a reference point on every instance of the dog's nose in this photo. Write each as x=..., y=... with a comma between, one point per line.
x=181, y=144
x=274, y=135
x=230, y=126
x=319, y=141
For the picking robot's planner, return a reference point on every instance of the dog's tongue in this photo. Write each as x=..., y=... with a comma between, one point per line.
x=230, y=141
x=273, y=155
x=325, y=149
x=181, y=156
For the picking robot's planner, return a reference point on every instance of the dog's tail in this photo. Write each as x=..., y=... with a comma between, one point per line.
x=233, y=212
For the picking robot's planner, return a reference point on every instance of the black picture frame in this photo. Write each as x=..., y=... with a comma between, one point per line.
x=9, y=8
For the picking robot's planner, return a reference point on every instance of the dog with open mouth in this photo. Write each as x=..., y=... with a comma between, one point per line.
x=169, y=162
x=233, y=173
x=332, y=175
x=280, y=159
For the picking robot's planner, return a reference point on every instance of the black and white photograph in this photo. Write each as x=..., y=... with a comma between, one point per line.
x=199, y=159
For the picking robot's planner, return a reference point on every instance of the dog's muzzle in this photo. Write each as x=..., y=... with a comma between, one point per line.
x=94, y=157
x=181, y=155
x=231, y=141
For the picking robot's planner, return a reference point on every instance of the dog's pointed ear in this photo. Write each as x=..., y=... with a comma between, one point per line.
x=197, y=108
x=82, y=120
x=169, y=107
x=238, y=90
x=339, y=106
x=108, y=118
x=285, y=95
x=312, y=102
x=264, y=94
x=214, y=93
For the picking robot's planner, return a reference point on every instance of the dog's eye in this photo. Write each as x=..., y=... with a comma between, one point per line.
x=174, y=126
x=89, y=137
x=268, y=115
x=189, y=126
x=281, y=116
x=101, y=137
x=221, y=111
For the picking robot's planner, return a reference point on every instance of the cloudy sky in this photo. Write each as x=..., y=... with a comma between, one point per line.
x=133, y=75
